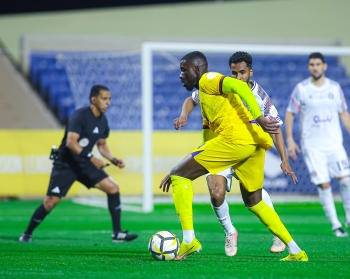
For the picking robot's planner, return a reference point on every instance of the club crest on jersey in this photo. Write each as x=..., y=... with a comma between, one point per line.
x=330, y=95
x=84, y=142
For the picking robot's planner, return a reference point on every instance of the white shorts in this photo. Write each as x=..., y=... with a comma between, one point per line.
x=325, y=165
x=227, y=173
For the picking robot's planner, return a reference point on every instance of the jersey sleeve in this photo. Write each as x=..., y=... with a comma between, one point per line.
x=232, y=85
x=105, y=133
x=268, y=109
x=195, y=97
x=341, y=105
x=75, y=123
x=294, y=101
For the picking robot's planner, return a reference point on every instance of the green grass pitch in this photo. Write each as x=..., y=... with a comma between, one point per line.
x=74, y=241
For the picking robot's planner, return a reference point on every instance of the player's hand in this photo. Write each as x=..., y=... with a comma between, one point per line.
x=165, y=184
x=269, y=126
x=98, y=163
x=293, y=149
x=288, y=170
x=118, y=162
x=180, y=122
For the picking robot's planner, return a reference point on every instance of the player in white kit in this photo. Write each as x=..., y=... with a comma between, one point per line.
x=320, y=102
x=241, y=68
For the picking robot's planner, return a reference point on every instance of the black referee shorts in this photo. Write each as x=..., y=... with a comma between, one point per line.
x=63, y=176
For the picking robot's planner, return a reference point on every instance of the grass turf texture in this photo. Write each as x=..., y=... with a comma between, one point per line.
x=74, y=241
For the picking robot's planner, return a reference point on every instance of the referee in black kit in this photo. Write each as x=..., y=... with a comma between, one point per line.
x=74, y=161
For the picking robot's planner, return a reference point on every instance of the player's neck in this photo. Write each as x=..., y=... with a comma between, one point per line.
x=95, y=111
x=318, y=82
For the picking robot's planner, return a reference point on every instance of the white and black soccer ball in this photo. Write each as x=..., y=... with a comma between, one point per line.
x=164, y=246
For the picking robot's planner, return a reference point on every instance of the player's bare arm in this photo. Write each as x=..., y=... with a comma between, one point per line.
x=292, y=147
x=187, y=108
x=279, y=144
x=345, y=119
x=73, y=145
x=232, y=85
x=105, y=152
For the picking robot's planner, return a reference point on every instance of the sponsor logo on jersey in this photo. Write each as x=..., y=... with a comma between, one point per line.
x=84, y=142
x=330, y=95
x=95, y=131
x=56, y=190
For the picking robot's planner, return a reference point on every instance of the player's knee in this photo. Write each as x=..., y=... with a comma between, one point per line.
x=50, y=202
x=324, y=186
x=217, y=197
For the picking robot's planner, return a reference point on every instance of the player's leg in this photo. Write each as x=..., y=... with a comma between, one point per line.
x=214, y=156
x=181, y=179
x=277, y=244
x=217, y=185
x=317, y=164
x=61, y=180
x=339, y=167
x=251, y=190
x=98, y=178
x=344, y=184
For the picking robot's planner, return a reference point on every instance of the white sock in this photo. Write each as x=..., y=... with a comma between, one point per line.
x=345, y=195
x=188, y=236
x=293, y=247
x=266, y=198
x=327, y=202
x=223, y=214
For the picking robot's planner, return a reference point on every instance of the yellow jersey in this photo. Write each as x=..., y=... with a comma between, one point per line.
x=226, y=114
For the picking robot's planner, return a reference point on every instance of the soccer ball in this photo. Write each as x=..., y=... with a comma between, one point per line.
x=164, y=246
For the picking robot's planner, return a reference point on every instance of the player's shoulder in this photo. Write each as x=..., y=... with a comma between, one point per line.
x=212, y=75
x=304, y=83
x=80, y=112
x=332, y=82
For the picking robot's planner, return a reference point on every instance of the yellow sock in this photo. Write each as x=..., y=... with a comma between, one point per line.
x=183, y=196
x=271, y=220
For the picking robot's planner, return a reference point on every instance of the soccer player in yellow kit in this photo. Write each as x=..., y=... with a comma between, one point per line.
x=241, y=143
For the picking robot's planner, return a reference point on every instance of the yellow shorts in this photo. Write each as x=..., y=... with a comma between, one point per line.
x=247, y=160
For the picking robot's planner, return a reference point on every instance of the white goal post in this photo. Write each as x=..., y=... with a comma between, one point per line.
x=147, y=51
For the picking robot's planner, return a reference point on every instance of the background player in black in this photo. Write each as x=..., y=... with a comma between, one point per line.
x=86, y=127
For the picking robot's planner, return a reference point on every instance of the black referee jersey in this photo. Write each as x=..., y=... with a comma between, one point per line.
x=90, y=128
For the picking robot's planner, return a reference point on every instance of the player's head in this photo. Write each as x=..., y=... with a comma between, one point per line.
x=316, y=65
x=100, y=98
x=192, y=66
x=240, y=64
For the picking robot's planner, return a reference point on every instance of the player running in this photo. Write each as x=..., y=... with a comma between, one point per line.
x=241, y=68
x=320, y=102
x=241, y=143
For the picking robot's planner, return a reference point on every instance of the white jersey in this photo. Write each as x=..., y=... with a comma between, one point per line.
x=319, y=109
x=267, y=109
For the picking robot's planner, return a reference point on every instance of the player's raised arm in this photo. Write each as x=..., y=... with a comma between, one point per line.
x=187, y=108
x=232, y=85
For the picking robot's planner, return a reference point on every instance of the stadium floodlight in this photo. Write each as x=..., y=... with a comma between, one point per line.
x=147, y=51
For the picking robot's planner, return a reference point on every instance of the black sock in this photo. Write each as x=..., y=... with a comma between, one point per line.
x=37, y=218
x=115, y=209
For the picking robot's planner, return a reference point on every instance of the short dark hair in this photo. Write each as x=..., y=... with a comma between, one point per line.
x=195, y=55
x=95, y=90
x=241, y=56
x=316, y=55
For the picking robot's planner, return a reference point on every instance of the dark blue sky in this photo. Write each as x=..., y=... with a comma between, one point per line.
x=30, y=6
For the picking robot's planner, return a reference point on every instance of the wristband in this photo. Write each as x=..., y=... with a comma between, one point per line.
x=112, y=160
x=85, y=154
